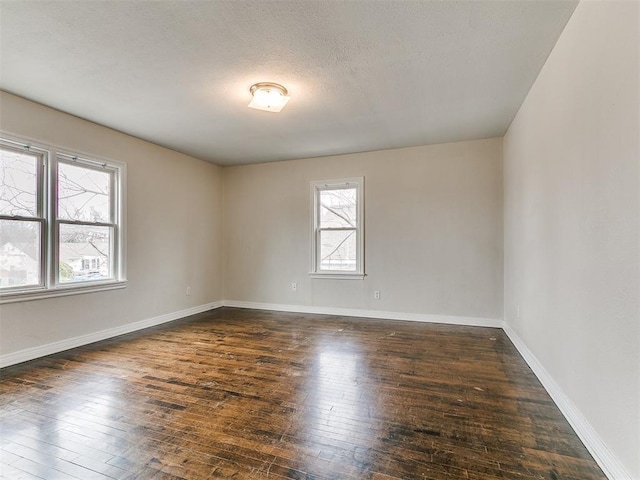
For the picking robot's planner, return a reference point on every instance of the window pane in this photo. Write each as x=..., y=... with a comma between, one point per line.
x=338, y=208
x=19, y=253
x=338, y=250
x=18, y=183
x=83, y=194
x=85, y=253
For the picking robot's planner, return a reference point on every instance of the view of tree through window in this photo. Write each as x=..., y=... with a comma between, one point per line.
x=338, y=229
x=18, y=183
x=83, y=194
x=84, y=216
x=59, y=219
x=20, y=219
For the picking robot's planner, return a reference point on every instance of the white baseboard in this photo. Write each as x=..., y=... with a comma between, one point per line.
x=50, y=348
x=609, y=464
x=353, y=312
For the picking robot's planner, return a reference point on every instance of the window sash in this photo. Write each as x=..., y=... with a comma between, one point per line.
x=41, y=157
x=112, y=257
x=66, y=159
x=319, y=258
x=42, y=267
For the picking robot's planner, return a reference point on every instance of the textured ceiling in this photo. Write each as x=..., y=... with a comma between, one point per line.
x=363, y=75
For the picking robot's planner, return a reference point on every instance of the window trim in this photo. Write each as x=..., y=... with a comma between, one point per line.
x=47, y=181
x=316, y=188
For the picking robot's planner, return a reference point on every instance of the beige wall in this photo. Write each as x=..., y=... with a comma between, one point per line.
x=434, y=227
x=572, y=221
x=174, y=220
x=433, y=221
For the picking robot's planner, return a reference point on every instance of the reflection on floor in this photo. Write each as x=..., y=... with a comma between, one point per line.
x=251, y=394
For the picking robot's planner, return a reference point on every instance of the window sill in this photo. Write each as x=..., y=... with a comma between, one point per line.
x=337, y=276
x=28, y=295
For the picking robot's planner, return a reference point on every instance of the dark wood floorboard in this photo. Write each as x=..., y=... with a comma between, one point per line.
x=248, y=394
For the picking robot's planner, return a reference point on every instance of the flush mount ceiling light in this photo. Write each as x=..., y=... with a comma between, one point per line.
x=269, y=97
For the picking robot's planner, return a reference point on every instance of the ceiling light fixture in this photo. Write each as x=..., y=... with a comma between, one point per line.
x=269, y=97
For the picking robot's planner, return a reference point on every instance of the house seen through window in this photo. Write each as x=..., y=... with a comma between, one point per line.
x=85, y=222
x=60, y=220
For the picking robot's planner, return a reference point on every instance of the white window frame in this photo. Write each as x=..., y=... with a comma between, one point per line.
x=316, y=188
x=50, y=156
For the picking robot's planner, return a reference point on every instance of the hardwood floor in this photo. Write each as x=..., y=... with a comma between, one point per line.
x=251, y=394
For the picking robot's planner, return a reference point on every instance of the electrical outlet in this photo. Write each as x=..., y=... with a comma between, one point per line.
x=188, y=290
x=294, y=287
x=376, y=294
x=517, y=311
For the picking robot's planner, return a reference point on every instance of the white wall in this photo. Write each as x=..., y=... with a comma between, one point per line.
x=174, y=220
x=572, y=260
x=433, y=221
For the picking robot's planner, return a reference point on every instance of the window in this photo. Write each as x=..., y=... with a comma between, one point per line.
x=22, y=217
x=61, y=228
x=338, y=233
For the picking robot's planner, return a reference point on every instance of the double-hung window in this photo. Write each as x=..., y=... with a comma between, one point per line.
x=338, y=228
x=61, y=222
x=86, y=223
x=22, y=217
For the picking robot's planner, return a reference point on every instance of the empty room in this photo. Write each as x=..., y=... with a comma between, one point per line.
x=320, y=239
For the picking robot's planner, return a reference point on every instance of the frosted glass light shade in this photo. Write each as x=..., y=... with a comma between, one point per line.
x=269, y=97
